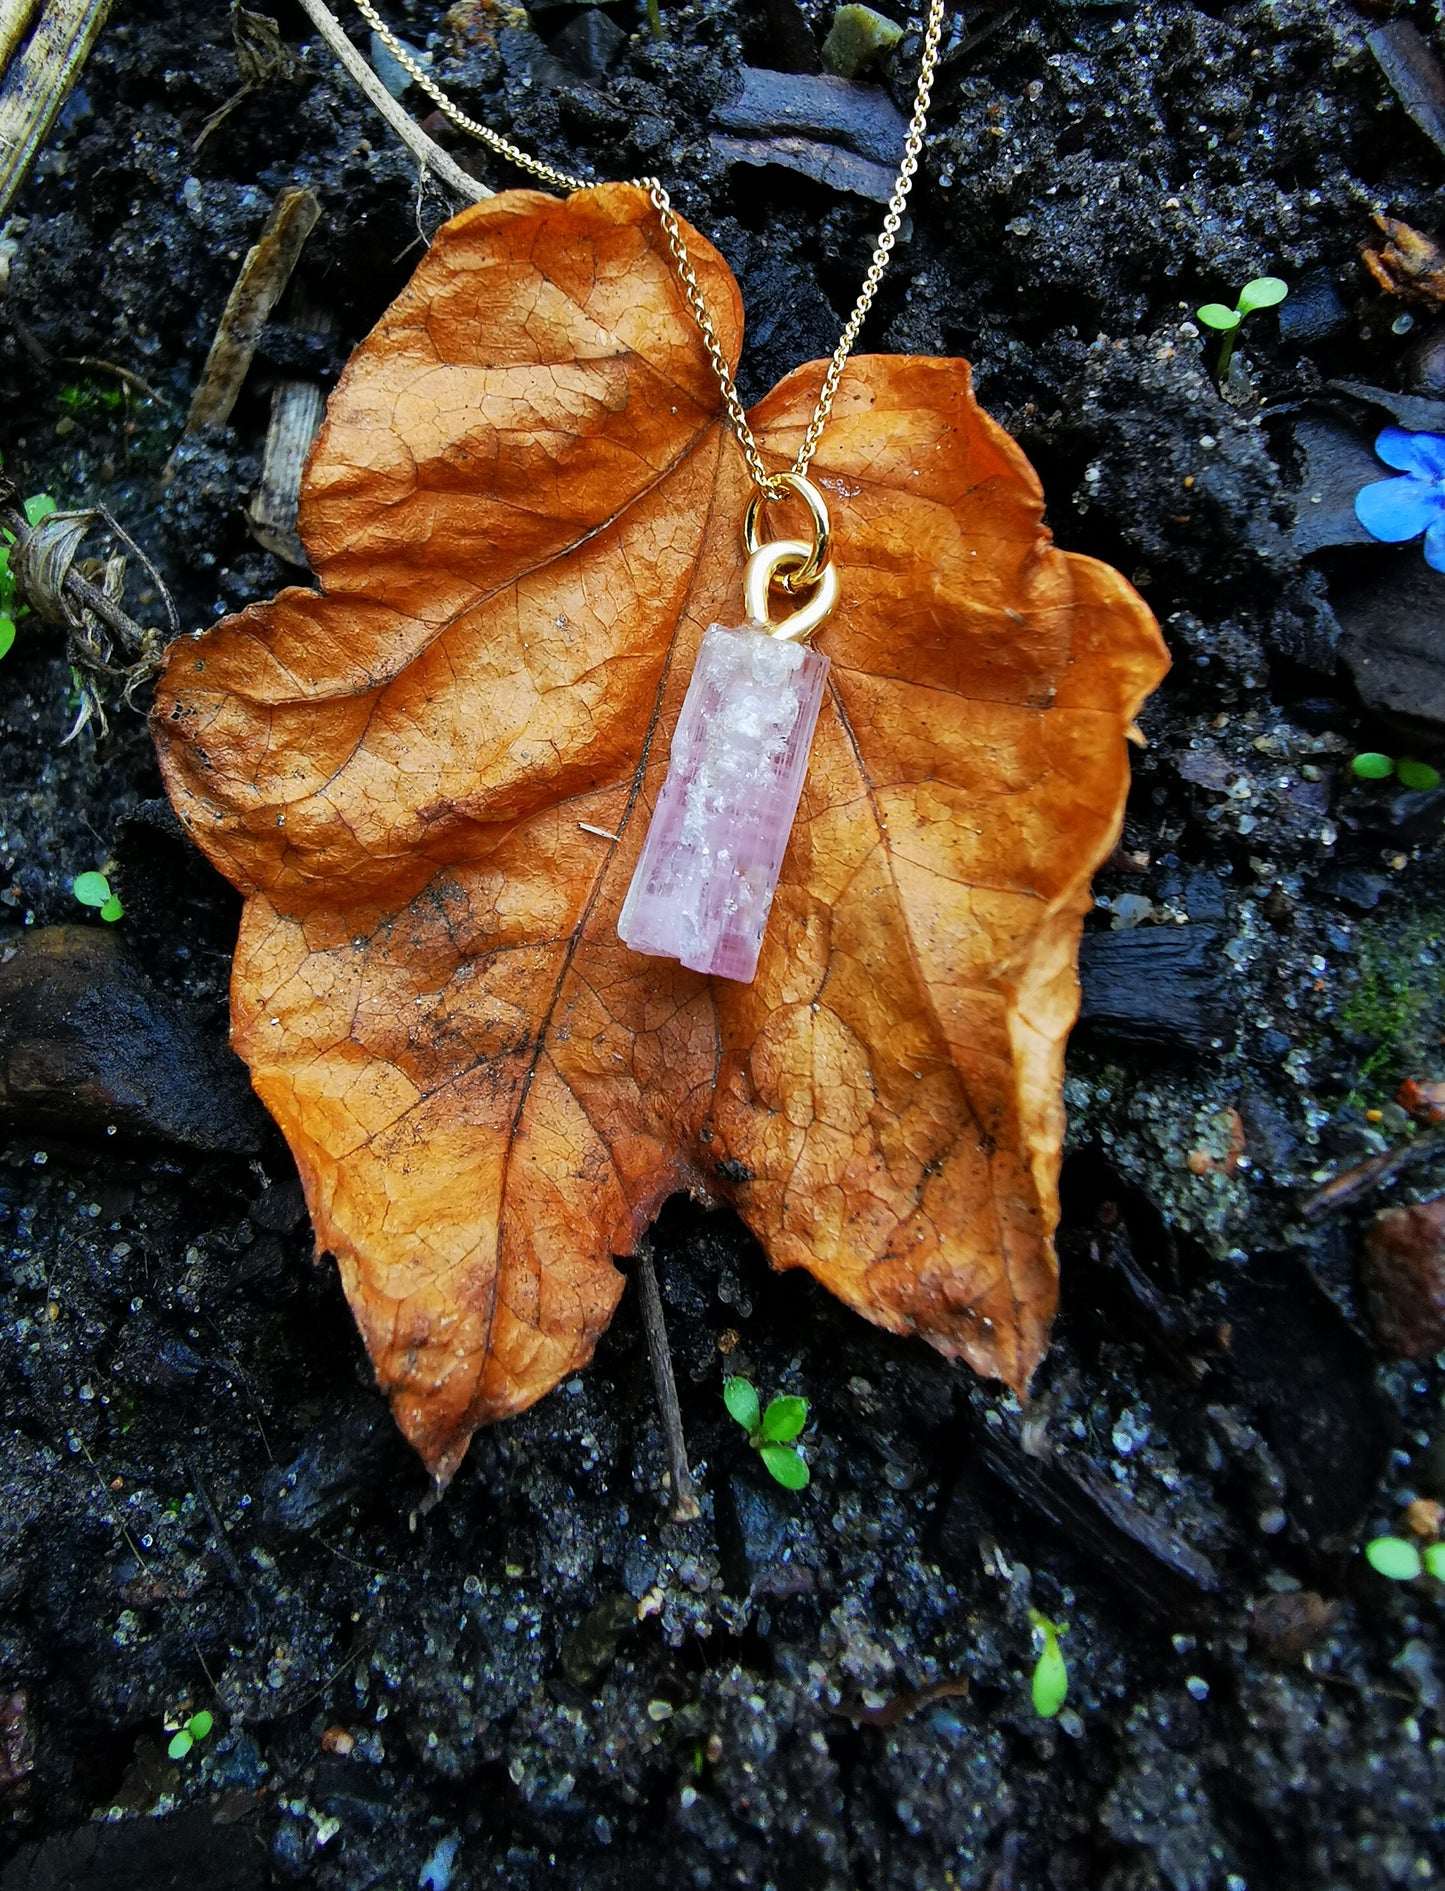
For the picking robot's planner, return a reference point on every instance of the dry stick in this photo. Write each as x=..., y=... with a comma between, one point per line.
x=1368, y=1176
x=38, y=81
x=427, y=152
x=685, y=1507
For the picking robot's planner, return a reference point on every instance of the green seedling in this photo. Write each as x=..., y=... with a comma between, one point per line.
x=93, y=889
x=1050, y=1686
x=771, y=1432
x=196, y=1729
x=1264, y=292
x=39, y=506
x=80, y=395
x=1393, y=1557
x=1372, y=766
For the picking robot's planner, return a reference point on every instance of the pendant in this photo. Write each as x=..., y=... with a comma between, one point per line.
x=709, y=867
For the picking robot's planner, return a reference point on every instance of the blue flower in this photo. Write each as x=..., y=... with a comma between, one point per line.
x=1397, y=509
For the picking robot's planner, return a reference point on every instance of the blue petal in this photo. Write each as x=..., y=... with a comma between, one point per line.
x=1435, y=546
x=1397, y=509
x=1419, y=453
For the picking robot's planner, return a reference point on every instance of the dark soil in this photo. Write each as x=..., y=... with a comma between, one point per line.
x=204, y=1502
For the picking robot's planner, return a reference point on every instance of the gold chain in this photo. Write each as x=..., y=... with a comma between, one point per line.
x=770, y=484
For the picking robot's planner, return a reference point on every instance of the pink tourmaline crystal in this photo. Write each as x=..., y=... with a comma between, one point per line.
x=709, y=865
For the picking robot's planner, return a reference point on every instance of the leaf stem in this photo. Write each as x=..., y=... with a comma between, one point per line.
x=685, y=1507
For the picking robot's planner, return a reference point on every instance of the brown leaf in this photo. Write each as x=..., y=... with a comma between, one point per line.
x=1407, y=264
x=524, y=511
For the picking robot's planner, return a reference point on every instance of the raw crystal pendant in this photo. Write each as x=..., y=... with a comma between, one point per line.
x=709, y=866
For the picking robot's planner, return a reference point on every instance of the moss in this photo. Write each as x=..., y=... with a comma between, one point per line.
x=1397, y=998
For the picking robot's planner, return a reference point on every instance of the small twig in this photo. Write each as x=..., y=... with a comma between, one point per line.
x=1366, y=1177
x=685, y=1507
x=427, y=152
x=92, y=364
x=223, y=1542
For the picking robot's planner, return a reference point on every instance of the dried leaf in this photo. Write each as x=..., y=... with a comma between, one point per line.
x=1407, y=264
x=524, y=511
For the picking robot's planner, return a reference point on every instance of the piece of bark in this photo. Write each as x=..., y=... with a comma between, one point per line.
x=38, y=81
x=861, y=118
x=1417, y=413
x=1154, y=985
x=258, y=288
x=297, y=408
x=89, y=1047
x=1336, y=463
x=1118, y=1537
x=1392, y=643
x=826, y=164
x=1405, y=58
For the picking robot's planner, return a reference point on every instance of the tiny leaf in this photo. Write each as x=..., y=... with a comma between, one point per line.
x=1417, y=774
x=1215, y=315
x=112, y=909
x=1393, y=1557
x=200, y=1723
x=39, y=506
x=1434, y=1561
x=1051, y=1678
x=741, y=1398
x=91, y=889
x=1372, y=766
x=1263, y=293
x=7, y=633
x=784, y=1419
x=785, y=1465
x=181, y=1744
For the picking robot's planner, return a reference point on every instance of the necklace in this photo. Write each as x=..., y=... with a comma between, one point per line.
x=709, y=867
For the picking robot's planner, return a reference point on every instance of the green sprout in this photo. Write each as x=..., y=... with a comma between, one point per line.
x=1264, y=292
x=1393, y=1557
x=771, y=1432
x=195, y=1730
x=1372, y=766
x=93, y=889
x=80, y=395
x=39, y=506
x=1050, y=1686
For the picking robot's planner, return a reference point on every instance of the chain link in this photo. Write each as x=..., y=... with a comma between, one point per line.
x=767, y=483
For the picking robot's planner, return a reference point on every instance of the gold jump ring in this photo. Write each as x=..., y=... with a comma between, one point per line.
x=808, y=572
x=769, y=564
